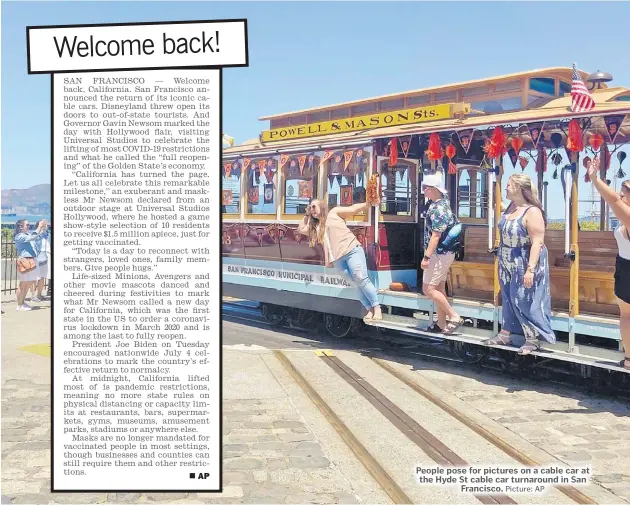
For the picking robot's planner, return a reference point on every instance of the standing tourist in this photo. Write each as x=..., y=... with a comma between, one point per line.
x=620, y=205
x=438, y=258
x=41, y=247
x=28, y=269
x=523, y=270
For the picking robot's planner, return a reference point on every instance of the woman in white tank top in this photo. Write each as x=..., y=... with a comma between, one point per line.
x=620, y=204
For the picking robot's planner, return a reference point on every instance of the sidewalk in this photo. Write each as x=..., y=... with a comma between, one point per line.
x=271, y=454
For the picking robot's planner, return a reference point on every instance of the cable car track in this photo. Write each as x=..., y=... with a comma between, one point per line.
x=399, y=344
x=437, y=450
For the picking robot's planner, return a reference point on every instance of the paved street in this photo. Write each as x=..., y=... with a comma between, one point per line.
x=280, y=448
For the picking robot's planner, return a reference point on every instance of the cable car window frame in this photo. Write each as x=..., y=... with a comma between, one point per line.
x=368, y=149
x=282, y=179
x=413, y=165
x=472, y=170
x=267, y=216
x=231, y=216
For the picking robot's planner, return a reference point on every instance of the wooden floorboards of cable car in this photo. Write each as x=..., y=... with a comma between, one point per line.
x=462, y=336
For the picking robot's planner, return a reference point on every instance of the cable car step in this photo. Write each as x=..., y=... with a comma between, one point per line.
x=476, y=336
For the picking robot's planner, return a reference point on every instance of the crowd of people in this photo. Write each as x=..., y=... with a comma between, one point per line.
x=523, y=258
x=33, y=258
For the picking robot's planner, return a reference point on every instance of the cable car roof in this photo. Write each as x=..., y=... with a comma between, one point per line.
x=555, y=108
x=565, y=73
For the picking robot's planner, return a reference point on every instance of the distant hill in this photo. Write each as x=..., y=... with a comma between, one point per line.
x=35, y=196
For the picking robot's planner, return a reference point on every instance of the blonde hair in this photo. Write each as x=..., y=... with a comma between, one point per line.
x=529, y=191
x=626, y=185
x=316, y=236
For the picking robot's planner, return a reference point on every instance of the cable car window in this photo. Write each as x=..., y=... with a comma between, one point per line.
x=346, y=177
x=300, y=182
x=543, y=85
x=472, y=194
x=231, y=187
x=261, y=186
x=399, y=194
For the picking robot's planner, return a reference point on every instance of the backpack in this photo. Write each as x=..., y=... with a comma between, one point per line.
x=450, y=241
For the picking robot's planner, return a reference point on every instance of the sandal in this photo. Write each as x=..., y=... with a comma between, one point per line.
x=452, y=326
x=529, y=347
x=434, y=328
x=625, y=363
x=501, y=339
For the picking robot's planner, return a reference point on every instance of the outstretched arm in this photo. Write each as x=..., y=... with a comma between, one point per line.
x=350, y=211
x=610, y=196
x=31, y=237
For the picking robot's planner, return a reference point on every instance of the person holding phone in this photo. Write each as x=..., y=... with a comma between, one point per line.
x=341, y=248
x=620, y=205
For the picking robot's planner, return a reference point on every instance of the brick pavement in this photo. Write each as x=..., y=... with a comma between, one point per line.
x=572, y=426
x=275, y=449
x=271, y=455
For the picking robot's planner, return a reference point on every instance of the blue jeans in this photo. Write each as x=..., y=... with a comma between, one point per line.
x=354, y=267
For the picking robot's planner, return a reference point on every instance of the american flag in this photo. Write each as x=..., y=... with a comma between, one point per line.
x=581, y=98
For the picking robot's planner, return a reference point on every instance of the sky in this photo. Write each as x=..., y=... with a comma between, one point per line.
x=308, y=54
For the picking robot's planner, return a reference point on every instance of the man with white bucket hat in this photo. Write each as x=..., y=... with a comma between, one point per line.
x=441, y=239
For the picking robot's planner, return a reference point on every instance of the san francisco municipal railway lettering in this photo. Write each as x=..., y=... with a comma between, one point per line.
x=333, y=280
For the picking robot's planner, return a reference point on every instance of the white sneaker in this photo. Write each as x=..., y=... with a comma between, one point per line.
x=36, y=299
x=24, y=308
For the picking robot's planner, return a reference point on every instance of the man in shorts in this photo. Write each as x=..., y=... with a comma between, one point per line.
x=438, y=259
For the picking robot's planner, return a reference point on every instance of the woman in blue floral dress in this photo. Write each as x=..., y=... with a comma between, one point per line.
x=524, y=270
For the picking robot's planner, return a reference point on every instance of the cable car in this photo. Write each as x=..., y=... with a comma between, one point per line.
x=330, y=153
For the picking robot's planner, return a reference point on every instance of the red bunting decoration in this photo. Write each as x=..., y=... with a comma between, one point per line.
x=522, y=162
x=495, y=147
x=246, y=162
x=228, y=170
x=347, y=158
x=283, y=160
x=574, y=140
x=596, y=141
x=535, y=132
x=517, y=143
x=613, y=123
x=405, y=144
x=301, y=161
x=434, y=152
x=451, y=152
x=393, y=152
x=465, y=139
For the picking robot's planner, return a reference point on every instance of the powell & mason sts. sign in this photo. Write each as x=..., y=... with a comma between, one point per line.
x=377, y=120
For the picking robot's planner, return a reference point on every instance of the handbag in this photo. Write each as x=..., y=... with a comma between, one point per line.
x=25, y=265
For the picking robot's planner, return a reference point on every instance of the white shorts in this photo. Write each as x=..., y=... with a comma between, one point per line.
x=44, y=272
